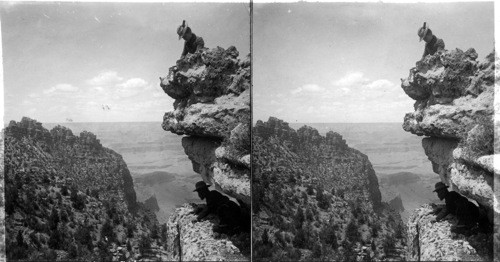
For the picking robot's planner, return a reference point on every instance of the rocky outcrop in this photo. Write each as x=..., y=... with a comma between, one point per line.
x=454, y=109
x=428, y=241
x=211, y=89
x=188, y=241
x=212, y=107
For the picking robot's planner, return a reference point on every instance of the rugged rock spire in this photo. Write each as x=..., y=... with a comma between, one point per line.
x=211, y=89
x=212, y=107
x=454, y=109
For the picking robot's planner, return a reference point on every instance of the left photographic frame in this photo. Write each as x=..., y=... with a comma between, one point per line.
x=127, y=131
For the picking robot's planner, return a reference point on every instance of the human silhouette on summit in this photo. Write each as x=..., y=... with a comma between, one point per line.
x=433, y=44
x=192, y=42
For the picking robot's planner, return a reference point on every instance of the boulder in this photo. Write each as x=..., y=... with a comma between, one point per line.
x=190, y=241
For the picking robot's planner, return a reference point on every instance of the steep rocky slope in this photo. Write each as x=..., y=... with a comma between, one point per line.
x=454, y=109
x=315, y=198
x=211, y=89
x=68, y=197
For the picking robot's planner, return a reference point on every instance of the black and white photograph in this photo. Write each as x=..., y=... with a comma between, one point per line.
x=126, y=131
x=249, y=131
x=373, y=132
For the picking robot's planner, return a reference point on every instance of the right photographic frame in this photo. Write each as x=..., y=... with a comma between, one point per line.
x=373, y=132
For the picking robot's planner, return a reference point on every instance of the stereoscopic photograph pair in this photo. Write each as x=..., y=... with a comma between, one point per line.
x=340, y=131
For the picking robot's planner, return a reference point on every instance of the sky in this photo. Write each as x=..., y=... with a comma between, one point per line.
x=101, y=62
x=342, y=62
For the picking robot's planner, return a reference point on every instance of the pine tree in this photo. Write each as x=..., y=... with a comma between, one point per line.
x=265, y=237
x=329, y=237
x=352, y=234
x=107, y=231
x=129, y=247
x=299, y=218
x=154, y=231
x=53, y=219
x=55, y=239
x=64, y=190
x=316, y=252
x=19, y=239
x=144, y=244
x=163, y=233
x=299, y=241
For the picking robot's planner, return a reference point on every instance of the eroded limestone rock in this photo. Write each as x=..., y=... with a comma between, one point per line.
x=454, y=109
x=211, y=89
x=429, y=241
x=190, y=241
x=212, y=107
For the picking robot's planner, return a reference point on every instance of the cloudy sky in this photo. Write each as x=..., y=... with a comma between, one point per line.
x=69, y=60
x=342, y=62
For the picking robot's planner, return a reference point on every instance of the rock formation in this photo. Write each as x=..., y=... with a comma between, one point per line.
x=397, y=204
x=190, y=241
x=429, y=241
x=68, y=197
x=454, y=109
x=211, y=89
x=315, y=198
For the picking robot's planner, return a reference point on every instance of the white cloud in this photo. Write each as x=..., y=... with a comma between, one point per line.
x=352, y=98
x=128, y=99
x=351, y=79
x=381, y=84
x=105, y=78
x=132, y=87
x=308, y=88
x=62, y=88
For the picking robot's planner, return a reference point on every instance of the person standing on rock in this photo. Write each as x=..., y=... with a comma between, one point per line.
x=433, y=44
x=192, y=42
x=227, y=211
x=457, y=205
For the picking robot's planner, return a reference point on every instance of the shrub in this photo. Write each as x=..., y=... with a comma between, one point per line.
x=310, y=190
x=352, y=234
x=107, y=231
x=299, y=241
x=316, y=251
x=144, y=244
x=329, y=237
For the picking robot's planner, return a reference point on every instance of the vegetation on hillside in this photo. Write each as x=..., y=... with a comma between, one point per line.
x=314, y=198
x=69, y=198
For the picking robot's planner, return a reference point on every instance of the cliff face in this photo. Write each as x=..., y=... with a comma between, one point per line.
x=316, y=198
x=454, y=109
x=68, y=197
x=211, y=89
